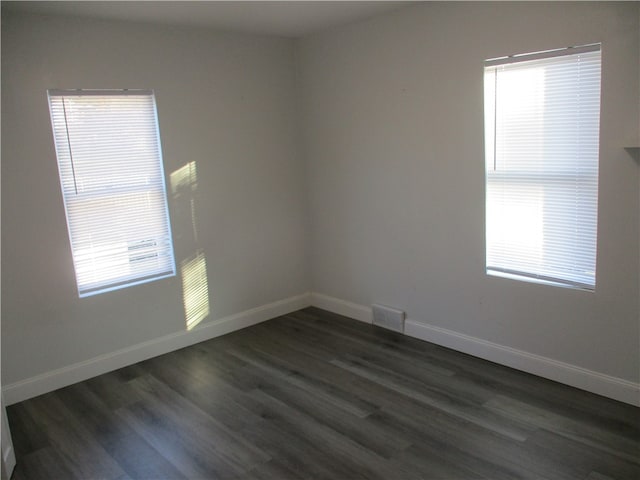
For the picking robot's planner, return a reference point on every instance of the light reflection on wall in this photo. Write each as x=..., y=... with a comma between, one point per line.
x=193, y=269
x=184, y=183
x=195, y=289
x=184, y=179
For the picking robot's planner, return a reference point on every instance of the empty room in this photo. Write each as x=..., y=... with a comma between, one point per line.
x=320, y=240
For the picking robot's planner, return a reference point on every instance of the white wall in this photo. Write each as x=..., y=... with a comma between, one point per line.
x=378, y=189
x=393, y=129
x=224, y=101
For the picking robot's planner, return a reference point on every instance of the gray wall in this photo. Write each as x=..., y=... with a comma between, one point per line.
x=224, y=101
x=393, y=129
x=370, y=177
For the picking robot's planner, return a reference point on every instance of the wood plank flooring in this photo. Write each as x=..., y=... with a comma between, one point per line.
x=313, y=395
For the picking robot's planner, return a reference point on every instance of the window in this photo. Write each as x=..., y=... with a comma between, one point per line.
x=112, y=180
x=542, y=116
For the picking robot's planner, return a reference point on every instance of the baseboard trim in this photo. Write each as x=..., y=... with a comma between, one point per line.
x=7, y=453
x=342, y=307
x=49, y=381
x=8, y=461
x=572, y=375
x=589, y=380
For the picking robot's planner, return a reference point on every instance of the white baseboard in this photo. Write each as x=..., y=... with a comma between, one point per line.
x=342, y=307
x=8, y=457
x=606, y=385
x=8, y=462
x=49, y=381
x=572, y=375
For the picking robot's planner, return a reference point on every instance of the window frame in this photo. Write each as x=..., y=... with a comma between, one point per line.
x=542, y=178
x=78, y=215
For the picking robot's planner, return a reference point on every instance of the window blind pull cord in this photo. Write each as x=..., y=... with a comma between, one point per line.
x=495, y=118
x=66, y=126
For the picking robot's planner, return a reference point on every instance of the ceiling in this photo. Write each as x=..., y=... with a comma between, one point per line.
x=282, y=18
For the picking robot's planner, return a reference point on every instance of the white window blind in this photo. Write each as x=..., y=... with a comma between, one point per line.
x=112, y=179
x=542, y=116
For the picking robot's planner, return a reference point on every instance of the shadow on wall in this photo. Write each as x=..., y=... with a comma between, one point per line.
x=193, y=263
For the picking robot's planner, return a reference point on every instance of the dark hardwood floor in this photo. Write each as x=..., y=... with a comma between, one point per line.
x=314, y=395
